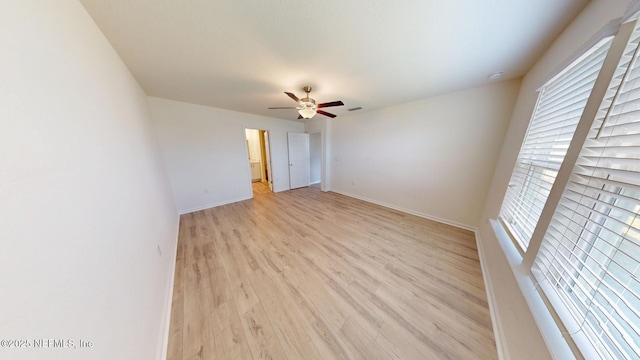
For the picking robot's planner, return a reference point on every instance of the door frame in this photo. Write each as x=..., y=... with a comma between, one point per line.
x=268, y=156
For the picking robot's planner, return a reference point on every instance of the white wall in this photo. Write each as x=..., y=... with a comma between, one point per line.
x=205, y=152
x=432, y=157
x=315, y=157
x=518, y=330
x=84, y=198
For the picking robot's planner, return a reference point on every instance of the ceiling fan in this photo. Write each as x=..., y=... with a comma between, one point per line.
x=307, y=107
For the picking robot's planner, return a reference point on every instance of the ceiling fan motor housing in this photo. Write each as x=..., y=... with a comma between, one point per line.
x=308, y=102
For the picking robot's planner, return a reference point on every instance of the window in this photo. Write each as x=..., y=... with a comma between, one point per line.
x=557, y=113
x=588, y=263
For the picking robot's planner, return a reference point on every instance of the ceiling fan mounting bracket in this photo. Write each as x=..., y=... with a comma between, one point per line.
x=307, y=89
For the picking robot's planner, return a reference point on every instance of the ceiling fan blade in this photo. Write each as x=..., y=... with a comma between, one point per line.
x=326, y=113
x=282, y=107
x=295, y=98
x=328, y=104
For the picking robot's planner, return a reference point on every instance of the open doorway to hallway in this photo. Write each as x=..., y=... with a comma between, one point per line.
x=315, y=158
x=259, y=157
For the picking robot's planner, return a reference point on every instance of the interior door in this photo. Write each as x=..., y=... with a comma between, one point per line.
x=298, y=159
x=267, y=150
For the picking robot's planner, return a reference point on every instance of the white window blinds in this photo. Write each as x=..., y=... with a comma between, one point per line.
x=589, y=262
x=560, y=105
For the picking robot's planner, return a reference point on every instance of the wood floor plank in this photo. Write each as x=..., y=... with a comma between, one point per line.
x=443, y=324
x=237, y=269
x=261, y=337
x=293, y=338
x=359, y=344
x=309, y=275
x=401, y=341
x=198, y=329
x=232, y=335
x=318, y=314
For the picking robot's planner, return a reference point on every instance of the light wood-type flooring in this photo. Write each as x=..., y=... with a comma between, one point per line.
x=260, y=188
x=303, y=274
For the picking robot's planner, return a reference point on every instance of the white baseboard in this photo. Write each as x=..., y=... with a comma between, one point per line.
x=498, y=332
x=408, y=211
x=315, y=182
x=168, y=302
x=212, y=205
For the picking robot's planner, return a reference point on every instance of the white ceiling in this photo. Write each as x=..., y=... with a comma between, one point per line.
x=242, y=55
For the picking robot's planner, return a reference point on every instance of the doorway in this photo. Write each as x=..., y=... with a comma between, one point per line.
x=298, y=159
x=315, y=158
x=259, y=156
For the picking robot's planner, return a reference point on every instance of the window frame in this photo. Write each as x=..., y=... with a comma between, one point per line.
x=524, y=264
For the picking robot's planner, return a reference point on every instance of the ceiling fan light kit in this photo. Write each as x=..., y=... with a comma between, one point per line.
x=307, y=112
x=307, y=107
